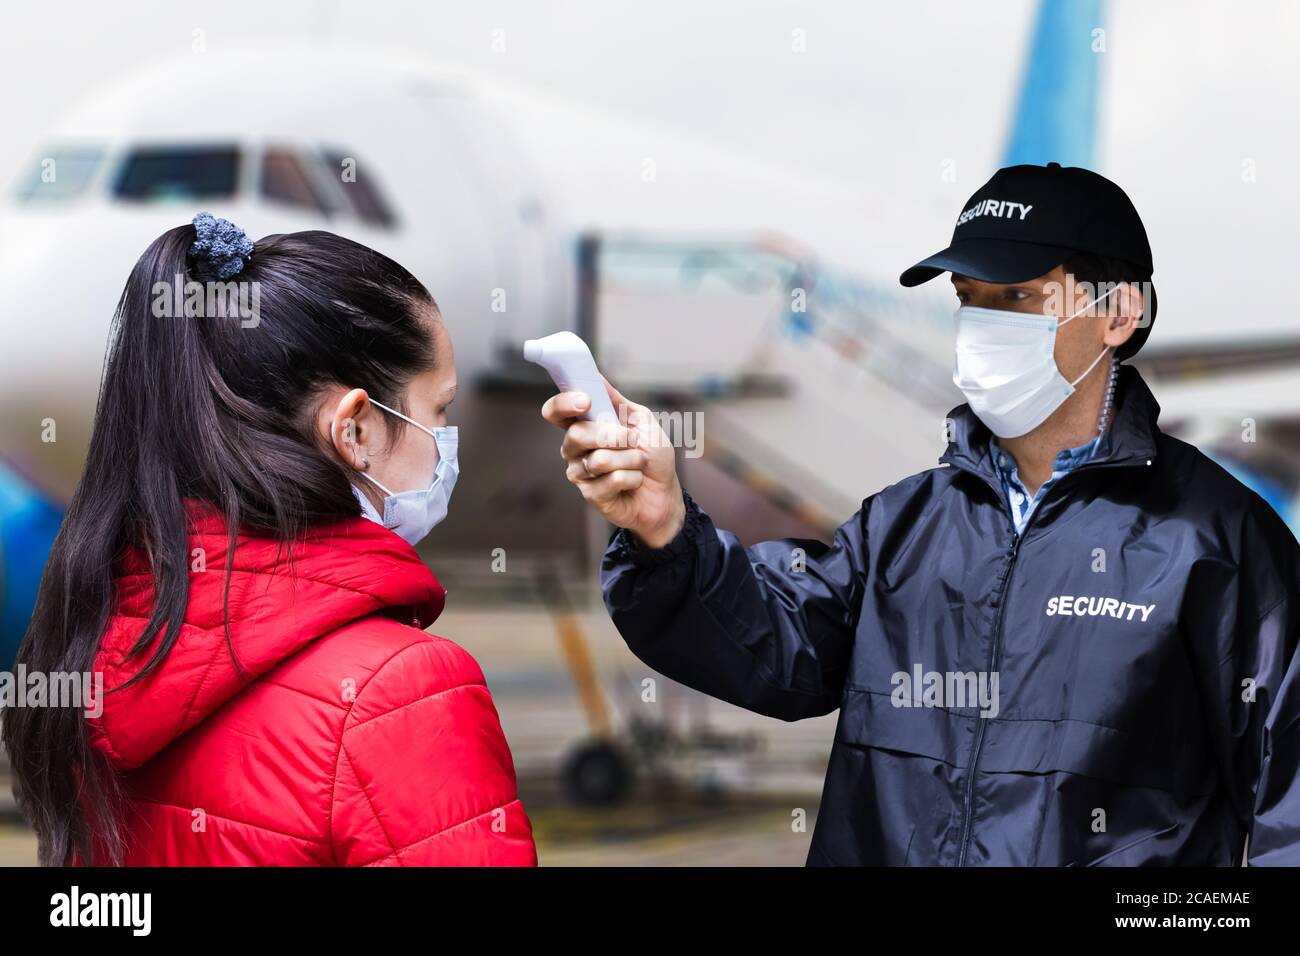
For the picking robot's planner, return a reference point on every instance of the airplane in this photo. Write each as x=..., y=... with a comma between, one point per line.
x=761, y=299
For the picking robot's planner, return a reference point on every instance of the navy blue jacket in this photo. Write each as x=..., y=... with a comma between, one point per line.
x=1142, y=632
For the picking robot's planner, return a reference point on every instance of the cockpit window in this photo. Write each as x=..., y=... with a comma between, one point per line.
x=358, y=185
x=178, y=172
x=60, y=174
x=287, y=179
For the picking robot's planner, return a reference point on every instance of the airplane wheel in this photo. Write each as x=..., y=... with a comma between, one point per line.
x=597, y=774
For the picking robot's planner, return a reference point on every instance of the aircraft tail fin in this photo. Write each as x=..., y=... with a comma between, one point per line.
x=1056, y=114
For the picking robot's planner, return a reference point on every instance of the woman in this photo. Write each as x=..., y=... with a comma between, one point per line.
x=237, y=561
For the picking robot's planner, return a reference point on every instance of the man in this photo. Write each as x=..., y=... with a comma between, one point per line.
x=1073, y=643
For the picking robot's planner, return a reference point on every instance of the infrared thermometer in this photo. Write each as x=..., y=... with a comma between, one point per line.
x=569, y=362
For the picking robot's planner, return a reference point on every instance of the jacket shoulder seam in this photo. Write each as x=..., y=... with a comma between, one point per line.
x=338, y=753
x=345, y=728
x=423, y=639
x=411, y=703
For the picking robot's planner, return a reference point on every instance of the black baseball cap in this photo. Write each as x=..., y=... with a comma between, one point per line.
x=1027, y=220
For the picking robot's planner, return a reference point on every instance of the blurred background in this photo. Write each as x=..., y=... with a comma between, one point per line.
x=719, y=197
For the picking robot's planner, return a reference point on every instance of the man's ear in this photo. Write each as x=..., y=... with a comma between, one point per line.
x=349, y=424
x=1123, y=316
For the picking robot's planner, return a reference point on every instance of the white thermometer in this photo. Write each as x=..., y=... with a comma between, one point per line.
x=572, y=368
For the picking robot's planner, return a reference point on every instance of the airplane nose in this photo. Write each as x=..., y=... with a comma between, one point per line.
x=58, y=295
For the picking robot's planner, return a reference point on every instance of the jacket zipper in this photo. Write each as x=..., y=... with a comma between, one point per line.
x=968, y=803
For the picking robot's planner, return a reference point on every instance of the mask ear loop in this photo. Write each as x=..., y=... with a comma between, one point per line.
x=393, y=411
x=1071, y=318
x=1099, y=357
x=373, y=481
x=1103, y=352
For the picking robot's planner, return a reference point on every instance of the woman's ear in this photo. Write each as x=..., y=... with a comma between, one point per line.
x=349, y=428
x=1124, y=315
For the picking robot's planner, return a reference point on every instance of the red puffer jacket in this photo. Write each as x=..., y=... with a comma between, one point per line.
x=354, y=738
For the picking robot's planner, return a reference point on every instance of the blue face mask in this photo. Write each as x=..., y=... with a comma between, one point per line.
x=413, y=514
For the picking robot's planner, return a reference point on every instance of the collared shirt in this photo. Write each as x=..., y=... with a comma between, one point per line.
x=1020, y=502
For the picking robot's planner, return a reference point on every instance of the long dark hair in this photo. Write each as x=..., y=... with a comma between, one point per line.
x=216, y=407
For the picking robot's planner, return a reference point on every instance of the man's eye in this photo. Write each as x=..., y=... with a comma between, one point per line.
x=1017, y=295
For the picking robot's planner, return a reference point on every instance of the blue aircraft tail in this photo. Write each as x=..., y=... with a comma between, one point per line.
x=1056, y=113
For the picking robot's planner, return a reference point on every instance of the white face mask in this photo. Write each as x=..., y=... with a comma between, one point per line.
x=1007, y=370
x=413, y=514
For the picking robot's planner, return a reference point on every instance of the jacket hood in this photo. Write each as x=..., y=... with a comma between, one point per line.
x=281, y=599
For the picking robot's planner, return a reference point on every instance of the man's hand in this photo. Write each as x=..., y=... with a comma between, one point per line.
x=627, y=472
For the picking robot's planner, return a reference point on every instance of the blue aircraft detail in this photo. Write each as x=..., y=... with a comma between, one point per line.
x=28, y=524
x=1056, y=113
